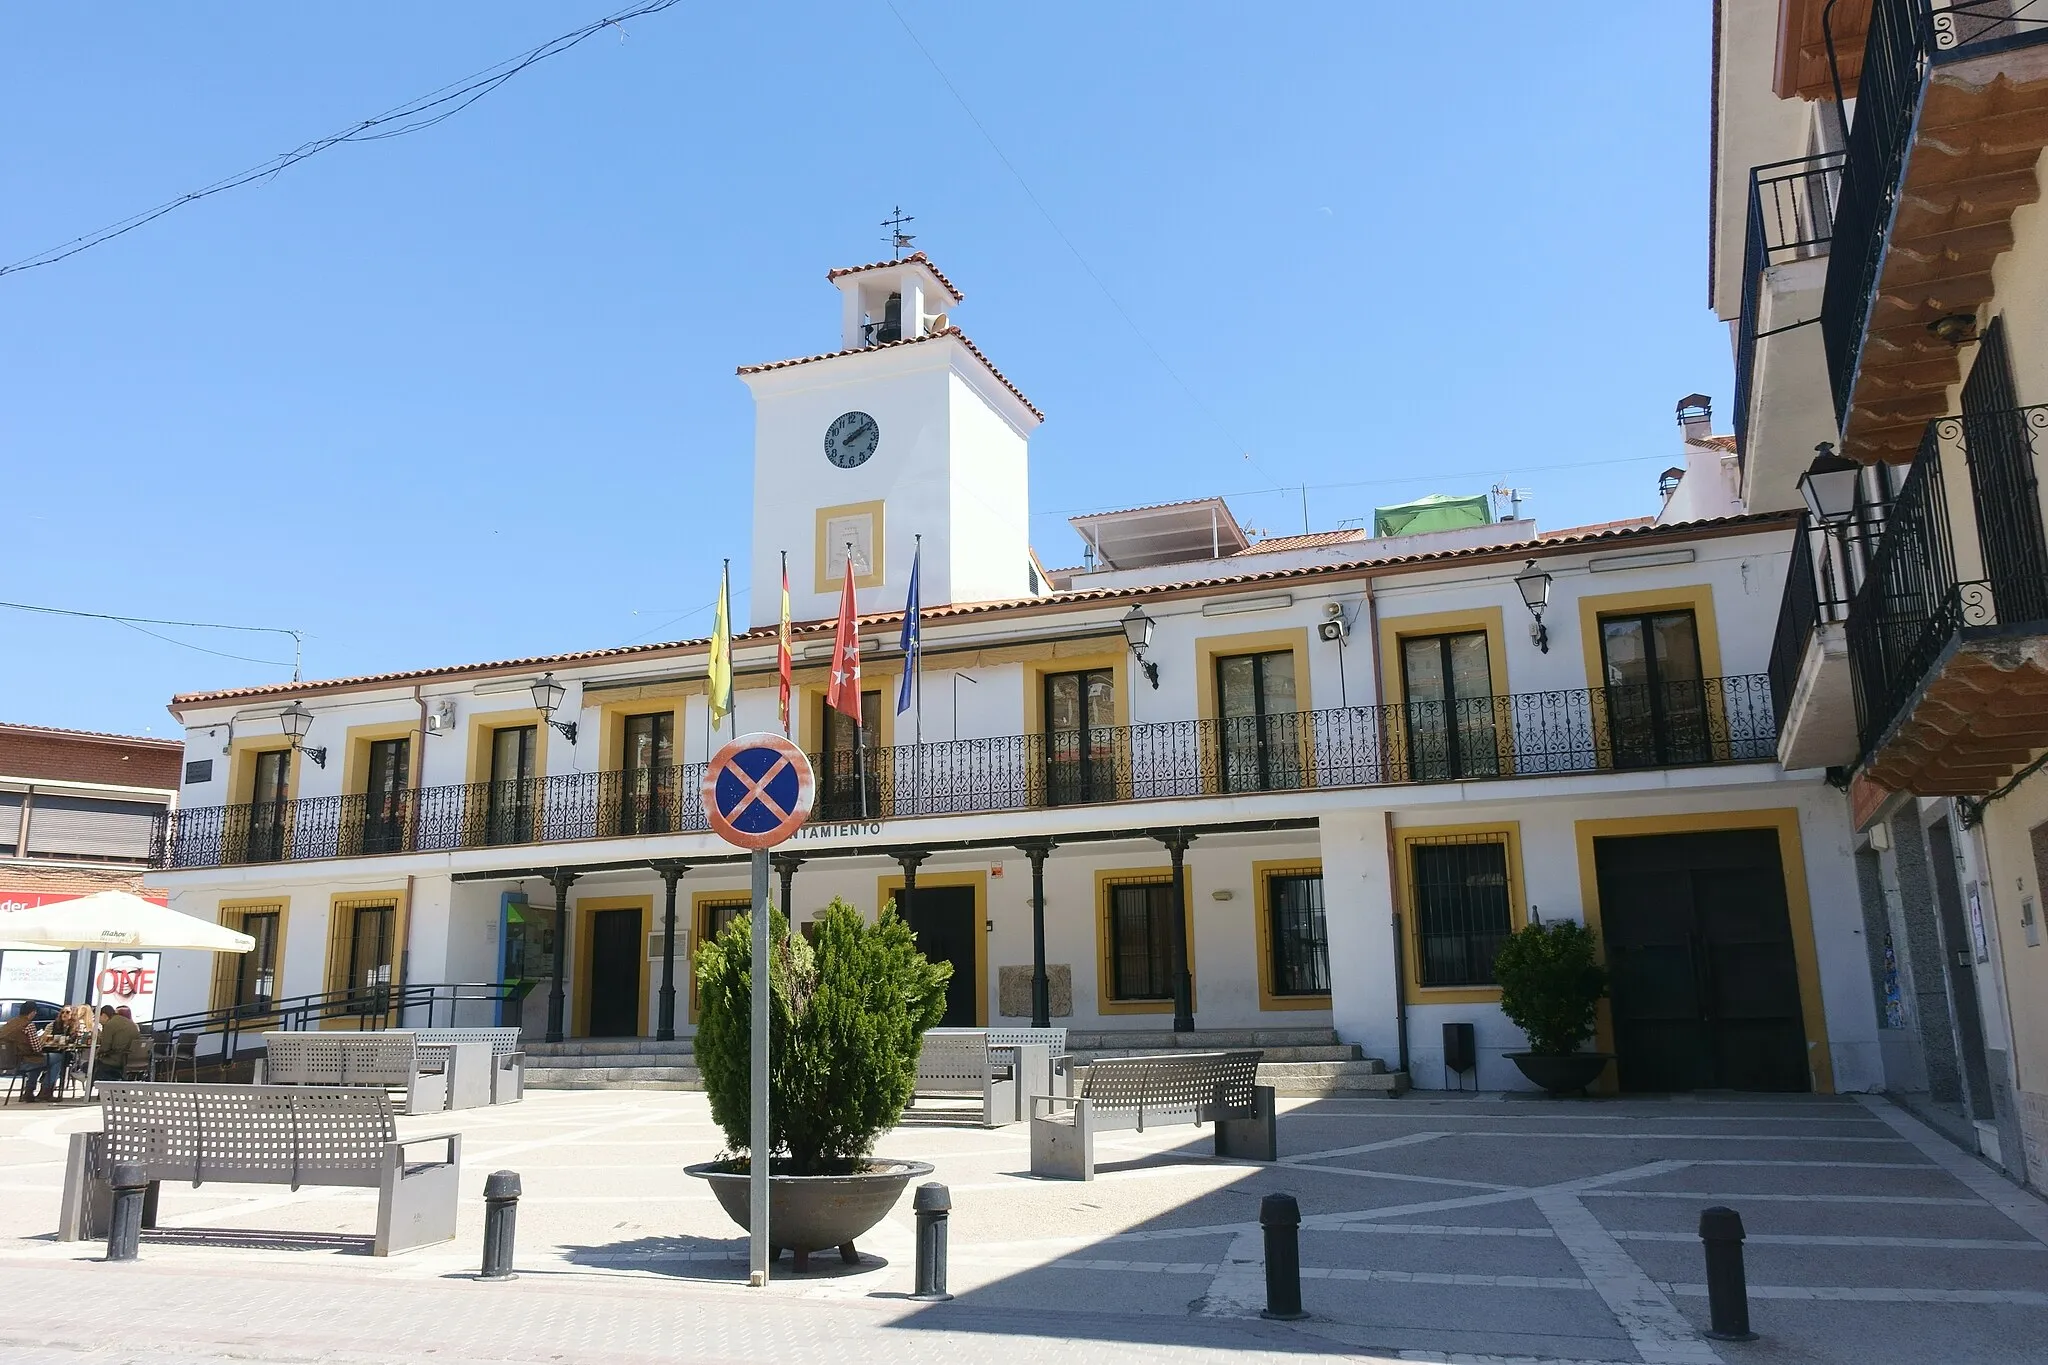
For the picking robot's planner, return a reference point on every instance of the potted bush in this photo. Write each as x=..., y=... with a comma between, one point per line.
x=1551, y=985
x=847, y=1015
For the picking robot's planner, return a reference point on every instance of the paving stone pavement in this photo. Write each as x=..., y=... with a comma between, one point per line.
x=1435, y=1228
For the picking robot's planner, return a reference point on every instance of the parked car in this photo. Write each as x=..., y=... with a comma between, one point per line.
x=46, y=1011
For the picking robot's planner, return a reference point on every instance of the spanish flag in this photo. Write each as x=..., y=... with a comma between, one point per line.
x=721, y=651
x=783, y=664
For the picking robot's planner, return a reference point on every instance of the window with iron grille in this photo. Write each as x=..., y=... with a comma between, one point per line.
x=362, y=953
x=1140, y=951
x=1298, y=935
x=247, y=982
x=1461, y=907
x=713, y=914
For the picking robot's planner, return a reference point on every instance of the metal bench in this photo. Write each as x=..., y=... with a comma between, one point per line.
x=1132, y=1092
x=395, y=1061
x=261, y=1135
x=1054, y=1040
x=964, y=1062
x=506, y=1064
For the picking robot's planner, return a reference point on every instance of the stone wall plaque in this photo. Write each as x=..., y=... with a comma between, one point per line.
x=1013, y=990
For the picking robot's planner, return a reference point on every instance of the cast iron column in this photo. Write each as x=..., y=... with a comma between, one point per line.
x=1176, y=842
x=910, y=860
x=665, y=1018
x=1041, y=989
x=785, y=865
x=561, y=877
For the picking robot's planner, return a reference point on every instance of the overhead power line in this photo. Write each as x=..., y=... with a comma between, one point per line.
x=413, y=116
x=138, y=623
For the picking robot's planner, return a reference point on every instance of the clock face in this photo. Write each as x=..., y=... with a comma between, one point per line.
x=851, y=438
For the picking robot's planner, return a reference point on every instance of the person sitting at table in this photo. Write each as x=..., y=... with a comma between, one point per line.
x=28, y=1043
x=118, y=1033
x=68, y=1036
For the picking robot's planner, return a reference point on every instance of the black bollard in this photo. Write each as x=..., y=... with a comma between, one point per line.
x=932, y=1204
x=124, y=1229
x=501, y=1221
x=1280, y=1216
x=1727, y=1284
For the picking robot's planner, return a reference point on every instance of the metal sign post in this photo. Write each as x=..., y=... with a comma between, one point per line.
x=758, y=1142
x=758, y=791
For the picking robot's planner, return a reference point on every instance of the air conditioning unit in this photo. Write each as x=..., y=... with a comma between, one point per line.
x=441, y=717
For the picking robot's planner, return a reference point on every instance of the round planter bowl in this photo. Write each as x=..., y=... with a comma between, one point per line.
x=808, y=1213
x=1567, y=1074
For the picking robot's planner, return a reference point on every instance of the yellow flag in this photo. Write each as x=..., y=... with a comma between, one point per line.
x=721, y=654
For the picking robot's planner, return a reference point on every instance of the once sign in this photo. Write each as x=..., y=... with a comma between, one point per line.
x=758, y=791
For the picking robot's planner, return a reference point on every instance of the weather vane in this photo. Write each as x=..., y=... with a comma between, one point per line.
x=899, y=241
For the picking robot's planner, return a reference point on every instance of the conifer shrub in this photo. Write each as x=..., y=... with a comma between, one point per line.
x=1551, y=984
x=847, y=1015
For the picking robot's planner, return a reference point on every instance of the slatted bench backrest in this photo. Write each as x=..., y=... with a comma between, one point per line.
x=954, y=1059
x=1177, y=1082
x=504, y=1041
x=310, y=1058
x=1055, y=1039
x=248, y=1134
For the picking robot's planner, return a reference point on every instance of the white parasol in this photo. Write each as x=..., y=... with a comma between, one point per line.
x=115, y=919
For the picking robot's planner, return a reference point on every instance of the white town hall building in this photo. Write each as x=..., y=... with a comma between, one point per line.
x=1368, y=758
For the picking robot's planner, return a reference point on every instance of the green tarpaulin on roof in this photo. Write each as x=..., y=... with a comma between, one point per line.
x=1437, y=512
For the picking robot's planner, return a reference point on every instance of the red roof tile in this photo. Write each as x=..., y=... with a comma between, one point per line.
x=1597, y=528
x=917, y=256
x=15, y=727
x=973, y=349
x=1725, y=444
x=1552, y=543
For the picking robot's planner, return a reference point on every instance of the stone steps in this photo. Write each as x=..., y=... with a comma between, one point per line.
x=1133, y=1041
x=1318, y=1080
x=614, y=1078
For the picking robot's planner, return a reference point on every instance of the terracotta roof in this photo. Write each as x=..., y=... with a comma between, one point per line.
x=150, y=741
x=1725, y=444
x=1552, y=543
x=1597, y=528
x=917, y=256
x=1310, y=541
x=975, y=350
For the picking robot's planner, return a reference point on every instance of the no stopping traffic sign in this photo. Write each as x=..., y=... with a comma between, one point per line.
x=758, y=790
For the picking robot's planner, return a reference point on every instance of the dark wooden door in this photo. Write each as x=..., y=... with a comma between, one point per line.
x=614, y=983
x=1699, y=941
x=942, y=917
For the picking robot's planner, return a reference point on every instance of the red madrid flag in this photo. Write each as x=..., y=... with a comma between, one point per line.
x=844, y=693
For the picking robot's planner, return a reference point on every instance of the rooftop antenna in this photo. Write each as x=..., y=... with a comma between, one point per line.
x=1513, y=497
x=899, y=241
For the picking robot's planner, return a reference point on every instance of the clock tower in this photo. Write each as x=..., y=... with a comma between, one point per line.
x=905, y=431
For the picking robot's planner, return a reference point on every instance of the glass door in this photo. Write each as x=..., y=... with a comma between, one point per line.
x=1259, y=720
x=648, y=782
x=508, y=803
x=1447, y=681
x=1656, y=697
x=849, y=780
x=269, y=806
x=1080, y=757
x=384, y=803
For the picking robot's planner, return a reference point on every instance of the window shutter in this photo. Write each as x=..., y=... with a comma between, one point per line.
x=82, y=827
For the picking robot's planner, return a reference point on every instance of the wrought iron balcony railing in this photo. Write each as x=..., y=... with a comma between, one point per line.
x=1912, y=601
x=1813, y=595
x=1906, y=40
x=1581, y=730
x=1791, y=217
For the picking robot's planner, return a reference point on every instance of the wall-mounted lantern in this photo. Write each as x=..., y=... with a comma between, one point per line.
x=298, y=722
x=1534, y=585
x=1138, y=633
x=547, y=696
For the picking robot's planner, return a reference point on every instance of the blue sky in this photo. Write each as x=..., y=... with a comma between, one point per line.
x=469, y=394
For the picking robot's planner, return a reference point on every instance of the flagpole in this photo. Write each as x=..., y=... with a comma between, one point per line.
x=783, y=648
x=732, y=712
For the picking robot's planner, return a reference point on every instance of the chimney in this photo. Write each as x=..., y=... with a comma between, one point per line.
x=1696, y=416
